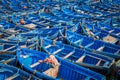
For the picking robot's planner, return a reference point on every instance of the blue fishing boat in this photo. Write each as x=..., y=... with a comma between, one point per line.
x=89, y=30
x=92, y=45
x=10, y=47
x=50, y=33
x=111, y=30
x=67, y=11
x=53, y=33
x=10, y=28
x=7, y=48
x=56, y=19
x=35, y=62
x=4, y=35
x=41, y=21
x=93, y=31
x=104, y=7
x=8, y=59
x=88, y=8
x=8, y=72
x=81, y=57
x=32, y=21
x=62, y=15
x=23, y=21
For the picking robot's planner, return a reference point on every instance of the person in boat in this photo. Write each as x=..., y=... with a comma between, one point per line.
x=55, y=64
x=51, y=59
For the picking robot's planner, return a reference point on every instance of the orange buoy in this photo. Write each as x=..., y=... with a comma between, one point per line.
x=22, y=22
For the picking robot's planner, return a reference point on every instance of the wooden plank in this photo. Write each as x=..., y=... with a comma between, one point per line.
x=30, y=26
x=111, y=31
x=31, y=17
x=71, y=36
x=57, y=51
x=47, y=23
x=31, y=45
x=100, y=48
x=43, y=21
x=69, y=54
x=7, y=61
x=12, y=77
x=36, y=64
x=35, y=20
x=12, y=30
x=48, y=46
x=77, y=41
x=118, y=34
x=23, y=46
x=81, y=59
x=89, y=44
x=9, y=48
x=98, y=62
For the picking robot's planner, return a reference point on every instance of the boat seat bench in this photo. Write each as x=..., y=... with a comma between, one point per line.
x=81, y=59
x=35, y=64
x=12, y=77
x=68, y=55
